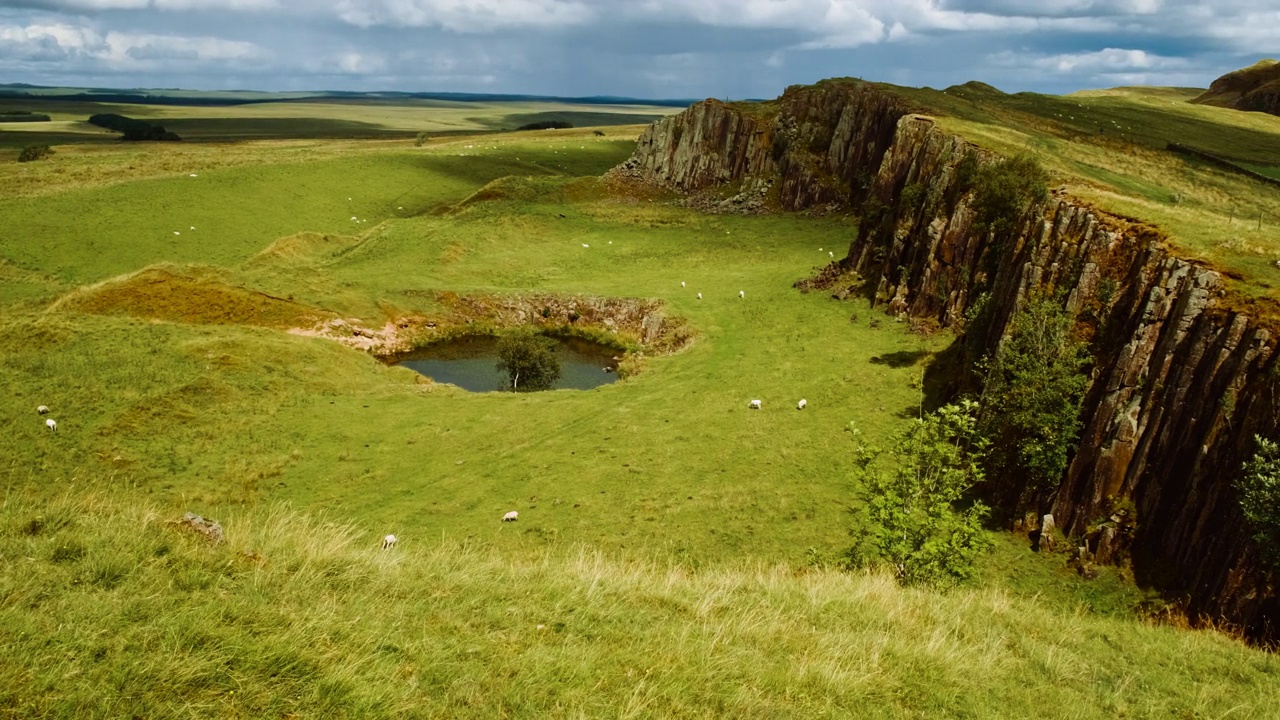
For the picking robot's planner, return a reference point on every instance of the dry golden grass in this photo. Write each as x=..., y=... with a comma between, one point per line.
x=190, y=295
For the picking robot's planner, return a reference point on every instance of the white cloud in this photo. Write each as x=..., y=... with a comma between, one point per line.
x=91, y=6
x=51, y=41
x=141, y=46
x=463, y=16
x=61, y=42
x=1108, y=60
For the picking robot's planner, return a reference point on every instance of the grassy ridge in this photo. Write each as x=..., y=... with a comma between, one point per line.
x=1107, y=147
x=116, y=611
x=85, y=234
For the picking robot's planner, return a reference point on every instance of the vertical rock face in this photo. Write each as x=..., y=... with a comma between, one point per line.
x=1181, y=381
x=820, y=144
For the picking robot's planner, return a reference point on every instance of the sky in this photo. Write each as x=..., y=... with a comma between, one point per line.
x=634, y=48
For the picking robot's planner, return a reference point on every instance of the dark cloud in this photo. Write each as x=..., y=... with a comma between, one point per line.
x=655, y=48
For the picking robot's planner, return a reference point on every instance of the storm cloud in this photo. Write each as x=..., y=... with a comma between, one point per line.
x=642, y=48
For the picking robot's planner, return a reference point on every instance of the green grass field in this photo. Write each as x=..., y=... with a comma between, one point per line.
x=676, y=546
x=309, y=118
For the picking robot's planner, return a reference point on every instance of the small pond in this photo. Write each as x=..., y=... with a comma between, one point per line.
x=471, y=363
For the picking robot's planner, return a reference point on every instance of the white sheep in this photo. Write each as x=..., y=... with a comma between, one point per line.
x=831, y=254
x=511, y=516
x=800, y=405
x=681, y=283
x=699, y=296
x=43, y=410
x=742, y=293
x=51, y=424
x=388, y=542
x=755, y=405
x=585, y=245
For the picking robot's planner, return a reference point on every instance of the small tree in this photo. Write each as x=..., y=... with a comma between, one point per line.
x=530, y=362
x=31, y=153
x=421, y=139
x=914, y=524
x=1259, y=490
x=1031, y=397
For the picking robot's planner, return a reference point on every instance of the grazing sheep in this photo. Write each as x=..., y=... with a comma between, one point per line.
x=800, y=405
x=51, y=424
x=388, y=542
x=755, y=405
x=699, y=296
x=511, y=516
x=742, y=293
x=585, y=245
x=43, y=410
x=681, y=283
x=831, y=254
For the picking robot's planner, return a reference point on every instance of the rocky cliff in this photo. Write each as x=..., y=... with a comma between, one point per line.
x=1255, y=88
x=1182, y=378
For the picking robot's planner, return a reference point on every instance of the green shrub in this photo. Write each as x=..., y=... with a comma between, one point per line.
x=1259, y=490
x=914, y=525
x=1004, y=190
x=31, y=153
x=1031, y=396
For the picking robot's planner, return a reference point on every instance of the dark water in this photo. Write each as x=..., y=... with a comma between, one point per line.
x=471, y=364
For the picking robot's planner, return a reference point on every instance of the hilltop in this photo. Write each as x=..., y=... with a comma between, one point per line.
x=1255, y=88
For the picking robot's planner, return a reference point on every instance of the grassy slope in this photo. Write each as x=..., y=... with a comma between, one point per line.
x=1108, y=148
x=669, y=467
x=112, y=611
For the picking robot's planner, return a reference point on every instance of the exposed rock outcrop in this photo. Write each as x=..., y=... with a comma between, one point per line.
x=633, y=322
x=1255, y=88
x=1183, y=376
x=814, y=145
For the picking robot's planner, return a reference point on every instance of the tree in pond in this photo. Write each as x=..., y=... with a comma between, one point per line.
x=529, y=361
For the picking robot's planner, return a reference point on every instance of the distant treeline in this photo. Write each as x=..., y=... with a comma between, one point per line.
x=547, y=125
x=132, y=129
x=22, y=116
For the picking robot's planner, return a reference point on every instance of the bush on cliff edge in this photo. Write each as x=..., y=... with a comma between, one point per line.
x=1004, y=190
x=1031, y=396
